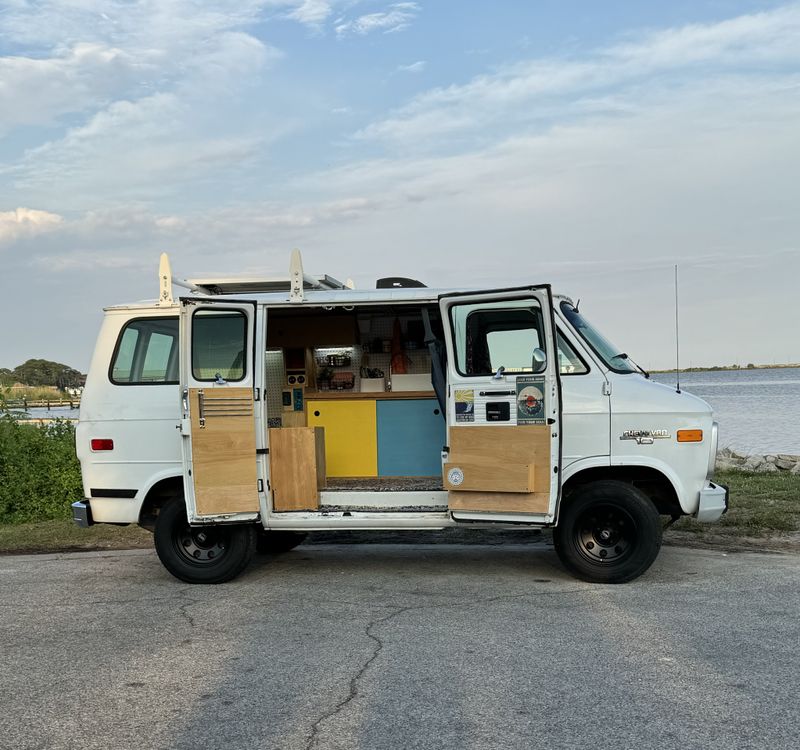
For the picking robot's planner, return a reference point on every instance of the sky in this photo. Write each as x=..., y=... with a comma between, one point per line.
x=589, y=145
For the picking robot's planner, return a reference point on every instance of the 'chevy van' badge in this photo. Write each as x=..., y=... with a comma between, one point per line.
x=644, y=437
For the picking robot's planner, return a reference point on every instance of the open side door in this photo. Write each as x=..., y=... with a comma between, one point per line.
x=218, y=416
x=503, y=405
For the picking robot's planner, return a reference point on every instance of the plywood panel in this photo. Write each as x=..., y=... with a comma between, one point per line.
x=319, y=455
x=488, y=476
x=499, y=502
x=511, y=447
x=351, y=445
x=224, y=451
x=294, y=474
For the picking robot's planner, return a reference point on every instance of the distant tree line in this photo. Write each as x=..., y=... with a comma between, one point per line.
x=42, y=372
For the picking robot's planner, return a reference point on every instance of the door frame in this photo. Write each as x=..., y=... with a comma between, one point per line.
x=188, y=306
x=543, y=293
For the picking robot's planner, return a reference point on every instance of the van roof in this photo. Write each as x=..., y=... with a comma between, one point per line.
x=322, y=297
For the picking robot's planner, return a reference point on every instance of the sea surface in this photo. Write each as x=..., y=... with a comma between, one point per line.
x=758, y=410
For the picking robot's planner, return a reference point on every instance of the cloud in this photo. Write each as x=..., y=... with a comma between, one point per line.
x=396, y=17
x=311, y=12
x=415, y=67
x=528, y=90
x=35, y=91
x=27, y=222
x=84, y=56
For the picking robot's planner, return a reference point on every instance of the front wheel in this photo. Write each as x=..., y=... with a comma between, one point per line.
x=609, y=532
x=201, y=554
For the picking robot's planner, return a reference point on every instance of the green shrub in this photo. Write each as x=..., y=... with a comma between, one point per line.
x=39, y=472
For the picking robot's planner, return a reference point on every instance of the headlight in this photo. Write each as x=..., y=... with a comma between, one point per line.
x=712, y=451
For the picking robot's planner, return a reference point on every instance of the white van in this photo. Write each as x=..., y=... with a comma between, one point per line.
x=252, y=411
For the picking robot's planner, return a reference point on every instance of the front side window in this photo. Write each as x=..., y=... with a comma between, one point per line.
x=569, y=361
x=610, y=354
x=219, y=344
x=490, y=335
x=146, y=353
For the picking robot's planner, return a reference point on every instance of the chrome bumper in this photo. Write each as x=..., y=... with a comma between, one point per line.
x=713, y=503
x=82, y=514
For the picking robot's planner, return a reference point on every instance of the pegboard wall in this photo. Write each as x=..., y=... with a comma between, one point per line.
x=376, y=336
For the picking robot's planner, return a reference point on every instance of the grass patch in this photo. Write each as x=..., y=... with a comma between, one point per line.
x=65, y=536
x=761, y=505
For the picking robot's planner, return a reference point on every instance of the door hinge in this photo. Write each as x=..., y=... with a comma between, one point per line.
x=606, y=388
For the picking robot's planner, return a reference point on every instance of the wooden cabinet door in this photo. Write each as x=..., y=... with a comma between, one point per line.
x=351, y=446
x=411, y=434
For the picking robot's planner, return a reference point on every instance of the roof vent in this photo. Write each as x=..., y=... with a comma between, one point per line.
x=398, y=282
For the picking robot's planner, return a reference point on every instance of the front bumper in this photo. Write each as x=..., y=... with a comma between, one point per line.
x=82, y=514
x=714, y=501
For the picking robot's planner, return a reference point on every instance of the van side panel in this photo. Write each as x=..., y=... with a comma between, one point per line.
x=142, y=420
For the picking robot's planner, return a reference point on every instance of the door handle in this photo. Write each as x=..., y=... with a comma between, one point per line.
x=201, y=408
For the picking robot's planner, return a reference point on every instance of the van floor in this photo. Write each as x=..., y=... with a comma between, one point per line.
x=384, y=484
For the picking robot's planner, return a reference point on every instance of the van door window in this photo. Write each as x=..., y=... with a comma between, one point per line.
x=146, y=353
x=569, y=361
x=219, y=344
x=490, y=335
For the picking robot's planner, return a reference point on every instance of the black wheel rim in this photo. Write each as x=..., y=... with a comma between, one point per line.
x=204, y=545
x=605, y=534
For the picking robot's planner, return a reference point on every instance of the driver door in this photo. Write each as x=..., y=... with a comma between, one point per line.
x=218, y=416
x=503, y=405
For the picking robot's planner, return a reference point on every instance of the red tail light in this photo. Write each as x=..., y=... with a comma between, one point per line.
x=102, y=444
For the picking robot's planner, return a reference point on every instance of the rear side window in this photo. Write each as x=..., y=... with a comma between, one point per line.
x=219, y=340
x=146, y=353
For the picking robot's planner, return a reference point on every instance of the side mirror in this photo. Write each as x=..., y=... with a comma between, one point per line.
x=539, y=360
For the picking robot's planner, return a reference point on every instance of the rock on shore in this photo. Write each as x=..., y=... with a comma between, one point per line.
x=728, y=458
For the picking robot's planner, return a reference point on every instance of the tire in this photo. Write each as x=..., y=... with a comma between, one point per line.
x=277, y=542
x=201, y=554
x=608, y=532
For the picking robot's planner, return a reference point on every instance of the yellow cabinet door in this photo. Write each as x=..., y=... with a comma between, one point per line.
x=351, y=438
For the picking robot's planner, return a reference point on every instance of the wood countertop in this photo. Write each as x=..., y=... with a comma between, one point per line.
x=366, y=396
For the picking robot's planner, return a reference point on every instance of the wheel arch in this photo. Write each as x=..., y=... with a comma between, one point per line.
x=159, y=493
x=656, y=484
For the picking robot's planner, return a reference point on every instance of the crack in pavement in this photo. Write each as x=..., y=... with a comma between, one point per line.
x=368, y=631
x=188, y=602
x=353, y=692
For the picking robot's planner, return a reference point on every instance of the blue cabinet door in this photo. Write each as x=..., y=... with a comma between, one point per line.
x=411, y=434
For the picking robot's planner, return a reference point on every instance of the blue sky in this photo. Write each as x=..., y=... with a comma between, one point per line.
x=591, y=145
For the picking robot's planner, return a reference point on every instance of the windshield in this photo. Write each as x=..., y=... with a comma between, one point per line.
x=610, y=354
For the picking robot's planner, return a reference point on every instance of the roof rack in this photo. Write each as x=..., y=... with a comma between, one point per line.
x=296, y=283
x=254, y=284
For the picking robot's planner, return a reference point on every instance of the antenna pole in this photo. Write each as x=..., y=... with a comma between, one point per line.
x=677, y=338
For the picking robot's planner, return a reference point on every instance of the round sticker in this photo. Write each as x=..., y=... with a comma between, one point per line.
x=530, y=402
x=455, y=477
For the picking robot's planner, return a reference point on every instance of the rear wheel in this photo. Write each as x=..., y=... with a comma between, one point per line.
x=276, y=542
x=201, y=554
x=608, y=532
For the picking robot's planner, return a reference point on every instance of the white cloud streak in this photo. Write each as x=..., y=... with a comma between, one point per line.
x=415, y=67
x=529, y=89
x=396, y=17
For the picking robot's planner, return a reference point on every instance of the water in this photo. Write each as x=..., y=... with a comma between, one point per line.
x=55, y=411
x=758, y=410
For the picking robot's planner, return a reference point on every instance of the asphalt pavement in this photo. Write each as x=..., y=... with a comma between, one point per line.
x=400, y=646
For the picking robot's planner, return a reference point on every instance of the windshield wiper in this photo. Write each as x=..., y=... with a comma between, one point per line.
x=624, y=356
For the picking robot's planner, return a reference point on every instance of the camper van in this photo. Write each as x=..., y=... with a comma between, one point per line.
x=250, y=411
